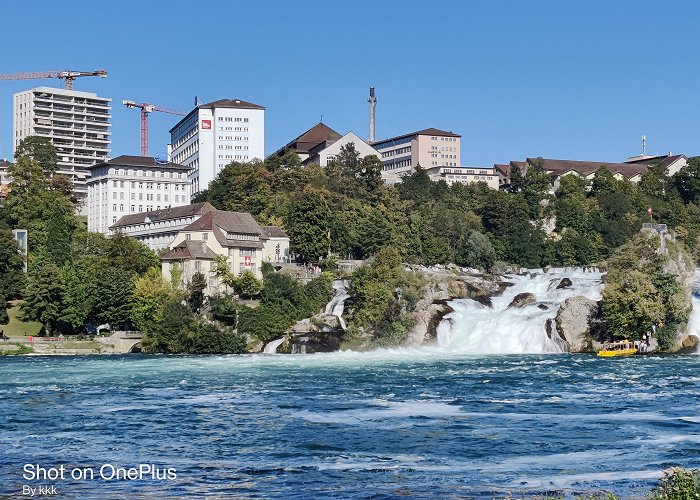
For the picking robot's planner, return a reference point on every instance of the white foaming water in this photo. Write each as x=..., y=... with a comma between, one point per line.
x=271, y=347
x=694, y=320
x=474, y=328
x=337, y=304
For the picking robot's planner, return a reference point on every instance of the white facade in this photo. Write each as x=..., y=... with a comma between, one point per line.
x=76, y=123
x=216, y=134
x=132, y=184
x=324, y=156
x=465, y=175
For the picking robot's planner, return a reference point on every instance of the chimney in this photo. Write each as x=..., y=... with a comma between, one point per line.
x=372, y=103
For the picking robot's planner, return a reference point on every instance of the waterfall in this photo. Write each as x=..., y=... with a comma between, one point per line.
x=694, y=319
x=475, y=328
x=271, y=348
x=337, y=304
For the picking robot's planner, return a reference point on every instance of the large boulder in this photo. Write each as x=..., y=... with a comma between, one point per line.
x=522, y=299
x=564, y=283
x=573, y=322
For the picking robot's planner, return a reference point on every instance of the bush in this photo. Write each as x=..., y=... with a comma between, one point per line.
x=678, y=484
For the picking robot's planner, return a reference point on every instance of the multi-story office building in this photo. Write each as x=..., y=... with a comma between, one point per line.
x=132, y=184
x=428, y=148
x=76, y=123
x=215, y=134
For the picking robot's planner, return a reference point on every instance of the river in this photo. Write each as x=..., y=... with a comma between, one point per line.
x=405, y=423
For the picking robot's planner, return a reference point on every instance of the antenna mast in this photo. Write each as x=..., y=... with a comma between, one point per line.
x=644, y=145
x=372, y=104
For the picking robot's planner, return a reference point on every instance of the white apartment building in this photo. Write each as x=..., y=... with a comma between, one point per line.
x=215, y=134
x=132, y=184
x=465, y=175
x=76, y=123
x=158, y=229
x=428, y=148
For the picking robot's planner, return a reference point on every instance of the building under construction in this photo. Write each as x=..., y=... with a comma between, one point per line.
x=77, y=124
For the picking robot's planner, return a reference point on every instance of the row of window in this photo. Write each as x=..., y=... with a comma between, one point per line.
x=231, y=157
x=233, y=138
x=235, y=129
x=146, y=173
x=232, y=119
x=149, y=185
x=445, y=139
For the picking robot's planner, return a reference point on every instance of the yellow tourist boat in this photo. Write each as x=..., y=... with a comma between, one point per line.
x=615, y=349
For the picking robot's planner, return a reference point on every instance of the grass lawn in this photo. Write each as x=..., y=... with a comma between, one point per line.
x=17, y=328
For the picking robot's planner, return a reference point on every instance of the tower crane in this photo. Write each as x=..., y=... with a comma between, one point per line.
x=67, y=75
x=147, y=108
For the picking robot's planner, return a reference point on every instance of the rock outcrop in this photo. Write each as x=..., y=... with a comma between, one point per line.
x=442, y=287
x=564, y=283
x=573, y=322
x=522, y=299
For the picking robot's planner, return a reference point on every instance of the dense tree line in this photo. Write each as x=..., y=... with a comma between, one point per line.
x=344, y=209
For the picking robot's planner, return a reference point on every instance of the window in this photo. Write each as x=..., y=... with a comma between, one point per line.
x=205, y=236
x=121, y=195
x=133, y=208
x=121, y=207
x=188, y=236
x=114, y=207
x=197, y=265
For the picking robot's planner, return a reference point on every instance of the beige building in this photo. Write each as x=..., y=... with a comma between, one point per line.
x=428, y=148
x=465, y=175
x=235, y=236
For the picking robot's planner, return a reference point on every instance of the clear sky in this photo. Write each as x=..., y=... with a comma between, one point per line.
x=558, y=79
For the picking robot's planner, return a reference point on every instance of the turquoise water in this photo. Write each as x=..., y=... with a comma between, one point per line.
x=391, y=424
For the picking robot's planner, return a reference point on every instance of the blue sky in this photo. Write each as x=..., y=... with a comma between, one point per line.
x=558, y=79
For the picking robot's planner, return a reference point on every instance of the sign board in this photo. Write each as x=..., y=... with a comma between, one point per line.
x=206, y=124
x=248, y=261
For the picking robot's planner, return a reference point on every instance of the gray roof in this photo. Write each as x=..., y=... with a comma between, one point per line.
x=274, y=232
x=164, y=214
x=425, y=131
x=139, y=161
x=221, y=103
x=190, y=249
x=220, y=221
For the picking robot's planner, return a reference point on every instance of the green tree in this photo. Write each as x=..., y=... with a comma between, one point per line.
x=151, y=292
x=248, y=285
x=195, y=289
x=113, y=296
x=43, y=296
x=60, y=225
x=308, y=224
x=687, y=180
x=477, y=252
x=41, y=151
